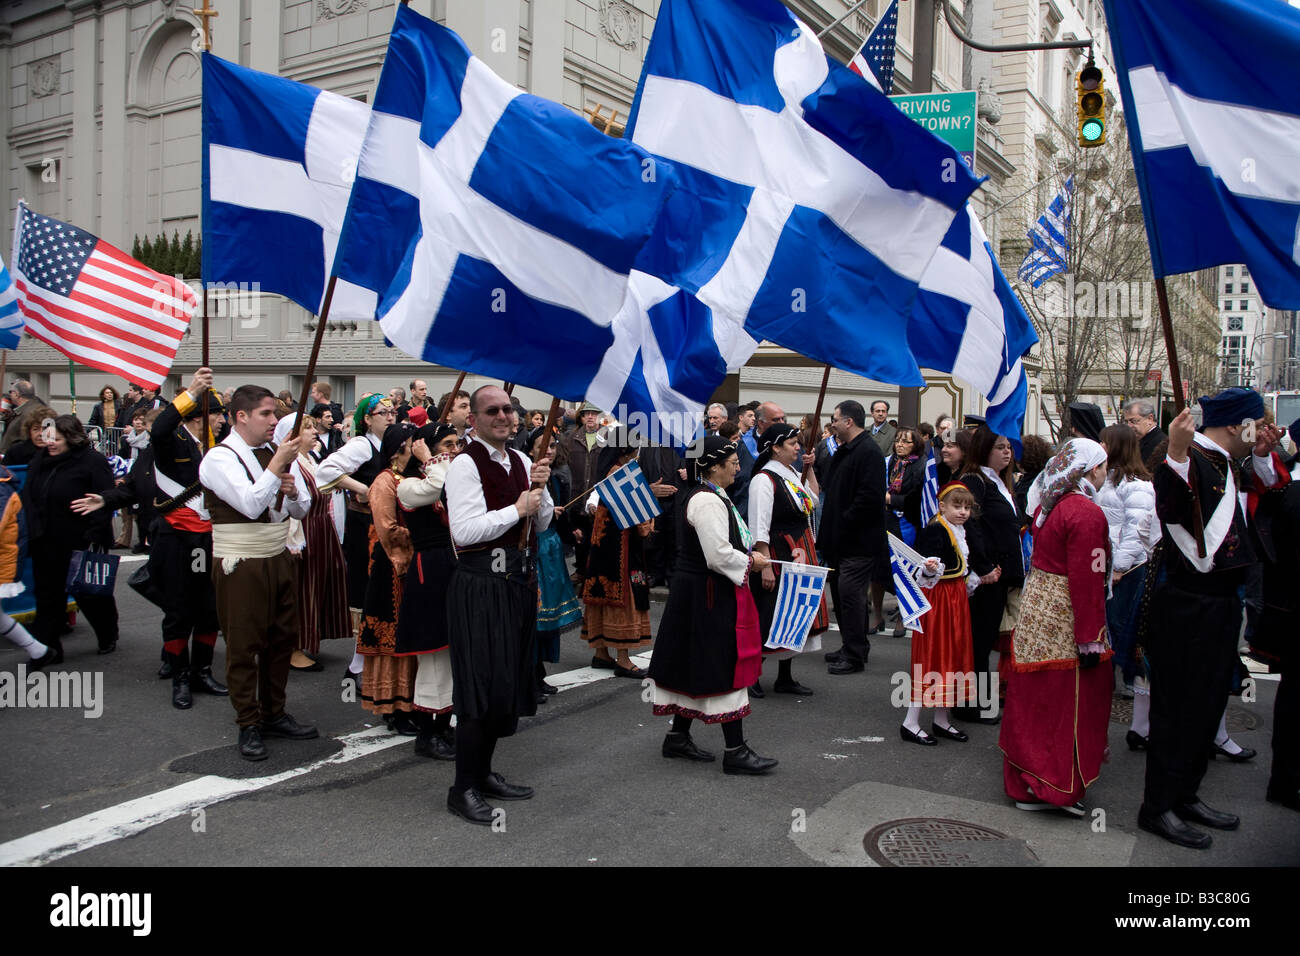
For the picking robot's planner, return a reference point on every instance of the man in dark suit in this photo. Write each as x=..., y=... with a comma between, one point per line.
x=882, y=432
x=1140, y=415
x=851, y=538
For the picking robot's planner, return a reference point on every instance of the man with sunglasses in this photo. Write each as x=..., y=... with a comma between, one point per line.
x=496, y=505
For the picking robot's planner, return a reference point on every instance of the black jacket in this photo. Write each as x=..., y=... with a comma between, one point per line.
x=908, y=499
x=53, y=483
x=853, y=507
x=97, y=416
x=993, y=532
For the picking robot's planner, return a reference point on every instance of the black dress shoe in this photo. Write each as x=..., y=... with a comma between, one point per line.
x=635, y=673
x=844, y=666
x=181, y=697
x=1198, y=812
x=681, y=745
x=1288, y=798
x=203, y=682
x=952, y=733
x=1136, y=741
x=403, y=724
x=743, y=760
x=917, y=737
x=469, y=805
x=1241, y=756
x=602, y=664
x=832, y=656
x=756, y=690
x=111, y=646
x=165, y=669
x=1169, y=826
x=435, y=746
x=53, y=655
x=494, y=785
x=793, y=687
x=286, y=726
x=250, y=744
x=548, y=689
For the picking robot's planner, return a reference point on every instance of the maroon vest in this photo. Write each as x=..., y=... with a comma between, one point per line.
x=500, y=490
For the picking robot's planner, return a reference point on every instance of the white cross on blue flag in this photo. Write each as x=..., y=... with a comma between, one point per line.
x=797, y=601
x=11, y=319
x=628, y=497
x=1049, y=238
x=1209, y=89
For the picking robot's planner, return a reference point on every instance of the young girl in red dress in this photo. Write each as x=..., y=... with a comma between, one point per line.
x=942, y=658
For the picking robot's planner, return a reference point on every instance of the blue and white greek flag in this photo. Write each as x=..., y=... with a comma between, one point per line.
x=906, y=564
x=809, y=205
x=11, y=319
x=278, y=162
x=968, y=321
x=797, y=600
x=1049, y=254
x=930, y=490
x=1209, y=90
x=628, y=497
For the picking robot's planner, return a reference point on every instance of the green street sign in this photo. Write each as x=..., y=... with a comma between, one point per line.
x=950, y=116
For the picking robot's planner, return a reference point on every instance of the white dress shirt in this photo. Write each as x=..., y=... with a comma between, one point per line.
x=223, y=475
x=762, y=498
x=471, y=523
x=346, y=460
x=707, y=513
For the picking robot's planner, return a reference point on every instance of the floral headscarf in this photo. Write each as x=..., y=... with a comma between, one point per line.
x=1063, y=474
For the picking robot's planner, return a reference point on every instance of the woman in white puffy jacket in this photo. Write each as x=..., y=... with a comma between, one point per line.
x=1129, y=501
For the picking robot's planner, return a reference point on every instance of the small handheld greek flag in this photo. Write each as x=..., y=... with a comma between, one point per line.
x=628, y=497
x=797, y=601
x=905, y=564
x=11, y=320
x=930, y=491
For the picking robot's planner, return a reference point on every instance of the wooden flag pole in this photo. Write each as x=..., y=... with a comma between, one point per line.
x=1171, y=351
x=451, y=398
x=815, y=427
x=311, y=369
x=542, y=449
x=208, y=437
x=72, y=384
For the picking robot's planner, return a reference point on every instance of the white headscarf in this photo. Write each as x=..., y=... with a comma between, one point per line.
x=1065, y=473
x=283, y=427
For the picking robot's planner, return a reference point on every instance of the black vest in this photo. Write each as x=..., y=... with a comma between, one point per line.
x=690, y=554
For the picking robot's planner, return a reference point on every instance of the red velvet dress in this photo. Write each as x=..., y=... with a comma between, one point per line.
x=1054, y=728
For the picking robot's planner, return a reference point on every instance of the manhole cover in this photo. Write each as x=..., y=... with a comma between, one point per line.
x=1239, y=719
x=930, y=841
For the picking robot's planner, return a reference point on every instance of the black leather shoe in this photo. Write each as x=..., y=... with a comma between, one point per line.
x=165, y=669
x=181, y=698
x=1198, y=812
x=952, y=733
x=917, y=737
x=1169, y=826
x=681, y=745
x=1241, y=756
x=203, y=682
x=1288, y=798
x=400, y=722
x=794, y=687
x=548, y=689
x=1136, y=741
x=601, y=664
x=494, y=785
x=756, y=690
x=53, y=656
x=831, y=656
x=844, y=666
x=469, y=805
x=743, y=760
x=250, y=744
x=439, y=748
x=633, y=672
x=111, y=646
x=286, y=726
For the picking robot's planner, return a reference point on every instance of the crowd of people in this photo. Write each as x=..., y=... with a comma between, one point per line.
x=450, y=544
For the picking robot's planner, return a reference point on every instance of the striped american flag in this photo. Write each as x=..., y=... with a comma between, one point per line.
x=874, y=61
x=96, y=304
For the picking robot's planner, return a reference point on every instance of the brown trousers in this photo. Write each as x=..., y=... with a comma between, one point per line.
x=257, y=605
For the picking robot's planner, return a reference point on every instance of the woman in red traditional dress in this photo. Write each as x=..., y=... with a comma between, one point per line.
x=1058, y=706
x=943, y=664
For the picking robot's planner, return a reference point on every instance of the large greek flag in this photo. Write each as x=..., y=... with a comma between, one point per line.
x=906, y=564
x=968, y=321
x=278, y=163
x=1049, y=252
x=797, y=600
x=1209, y=89
x=628, y=497
x=11, y=320
x=810, y=204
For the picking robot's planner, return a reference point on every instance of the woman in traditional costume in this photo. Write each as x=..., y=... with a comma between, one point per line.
x=942, y=662
x=422, y=616
x=707, y=651
x=558, y=608
x=388, y=681
x=1058, y=707
x=615, y=585
x=780, y=517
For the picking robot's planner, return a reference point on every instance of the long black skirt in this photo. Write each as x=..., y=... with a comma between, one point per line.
x=490, y=621
x=356, y=555
x=422, y=620
x=696, y=650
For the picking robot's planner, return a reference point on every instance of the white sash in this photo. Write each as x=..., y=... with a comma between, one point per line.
x=172, y=488
x=233, y=543
x=1216, y=529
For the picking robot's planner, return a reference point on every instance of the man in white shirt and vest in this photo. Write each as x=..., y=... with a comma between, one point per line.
x=253, y=573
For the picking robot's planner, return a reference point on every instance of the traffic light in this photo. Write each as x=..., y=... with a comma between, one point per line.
x=1092, y=106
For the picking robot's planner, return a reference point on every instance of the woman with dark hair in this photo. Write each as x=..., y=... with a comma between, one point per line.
x=707, y=651
x=995, y=555
x=615, y=585
x=558, y=608
x=1035, y=453
x=387, y=681
x=780, y=517
x=65, y=469
x=952, y=456
x=22, y=452
x=905, y=469
x=107, y=410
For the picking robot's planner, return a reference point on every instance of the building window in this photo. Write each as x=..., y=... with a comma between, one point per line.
x=1244, y=272
x=1227, y=304
x=1227, y=288
x=1245, y=288
x=1243, y=304
x=1228, y=271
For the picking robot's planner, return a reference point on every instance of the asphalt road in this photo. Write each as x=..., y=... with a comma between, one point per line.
x=144, y=784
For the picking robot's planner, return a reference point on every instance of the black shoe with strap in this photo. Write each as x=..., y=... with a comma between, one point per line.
x=681, y=745
x=52, y=657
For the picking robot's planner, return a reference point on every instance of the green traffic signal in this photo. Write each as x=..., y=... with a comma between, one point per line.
x=1090, y=85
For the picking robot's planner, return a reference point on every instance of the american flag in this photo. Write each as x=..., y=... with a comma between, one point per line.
x=96, y=304
x=874, y=61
